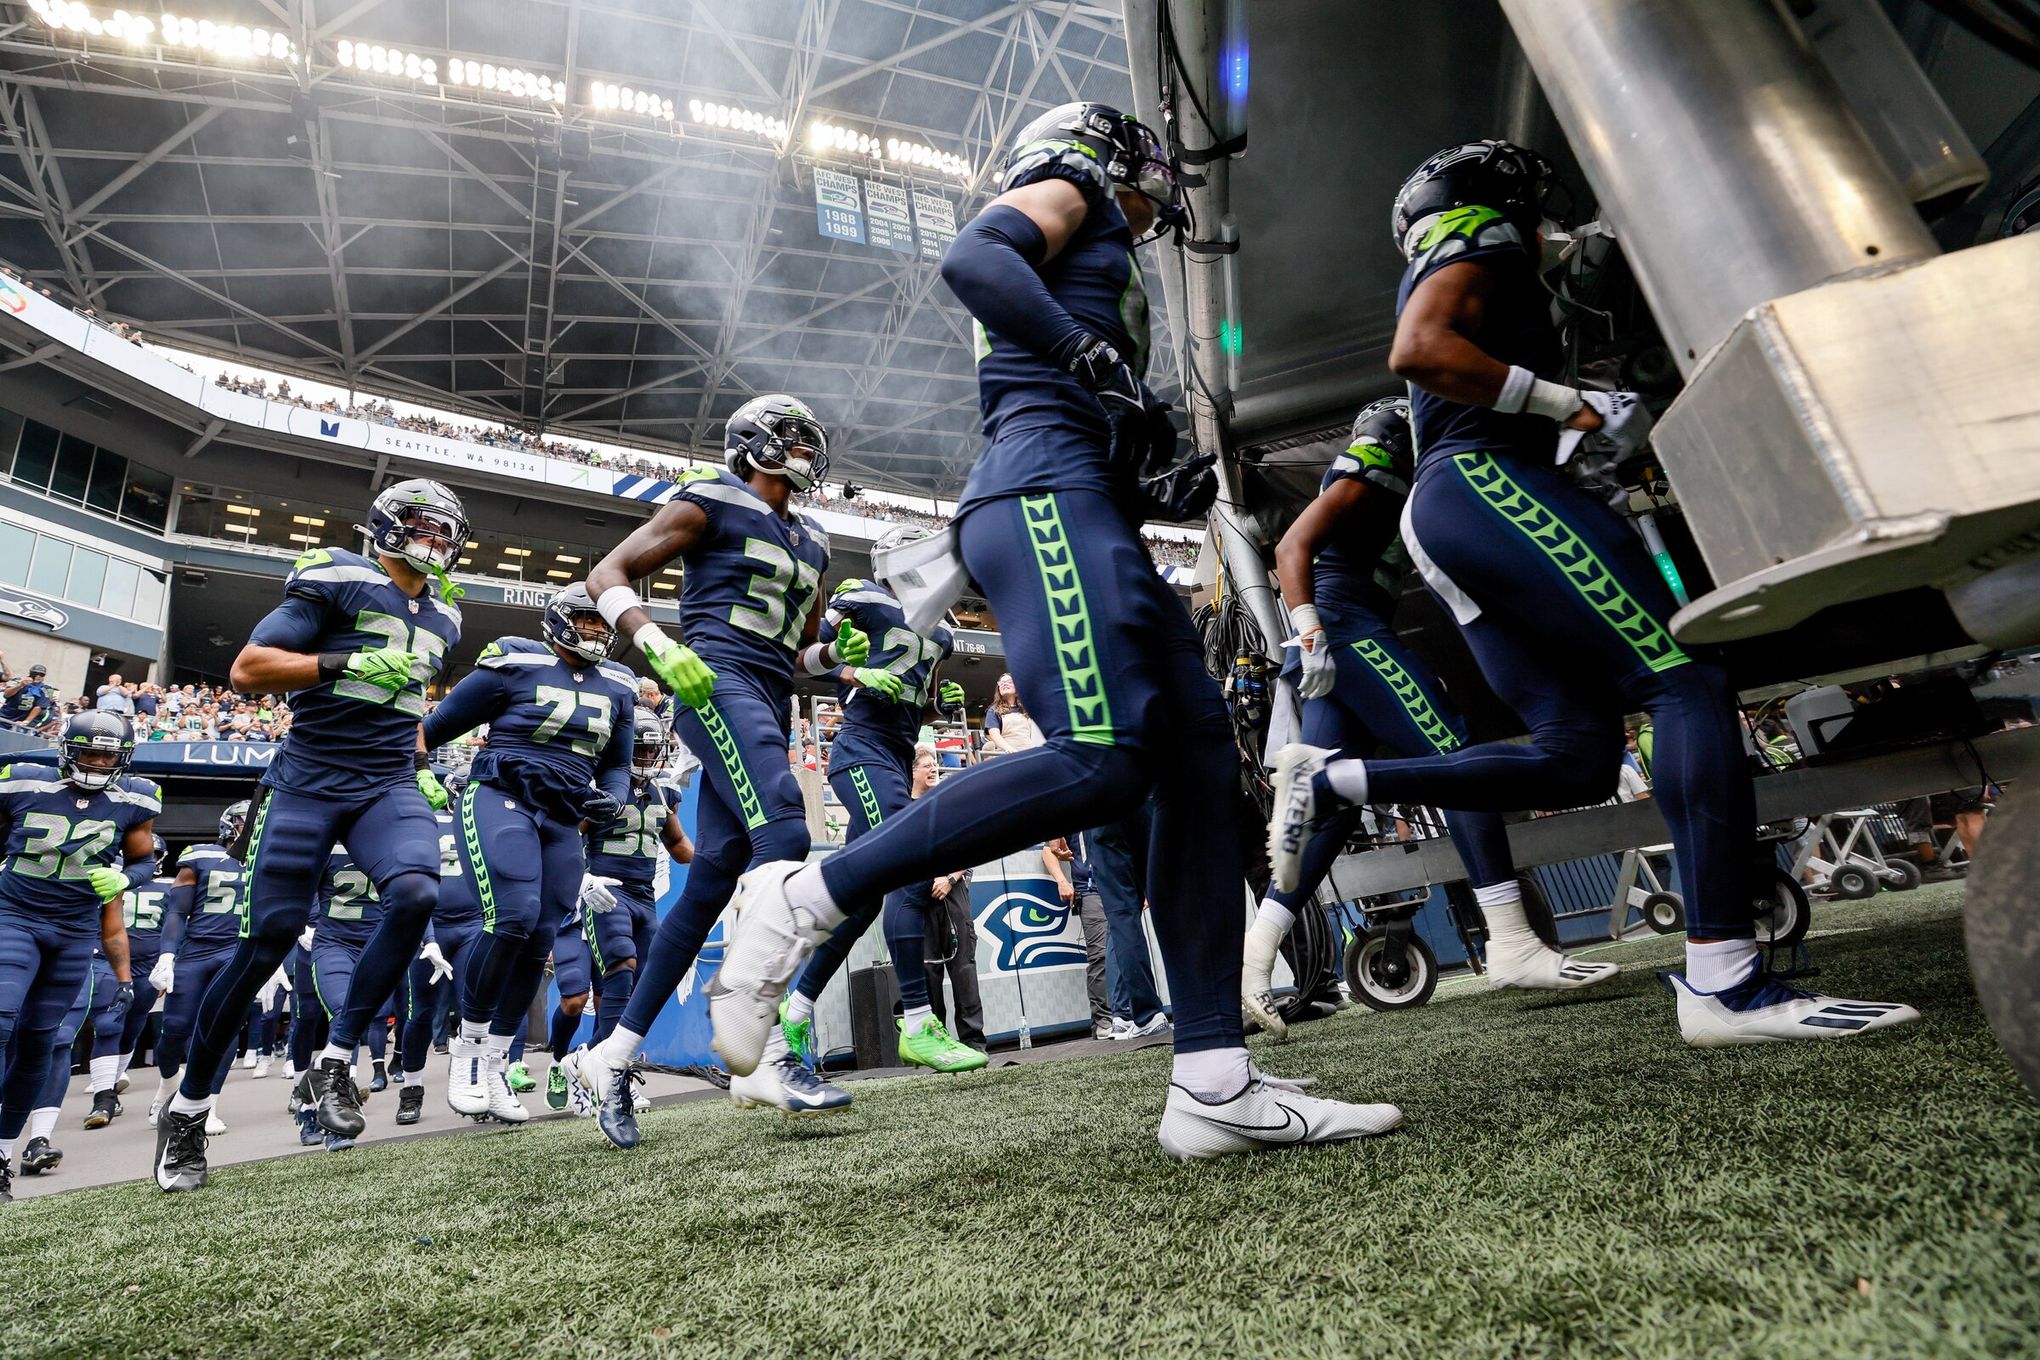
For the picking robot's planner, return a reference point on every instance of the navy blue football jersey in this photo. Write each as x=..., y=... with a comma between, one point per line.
x=1043, y=430
x=349, y=909
x=555, y=727
x=873, y=725
x=628, y=849
x=56, y=833
x=220, y=901
x=748, y=586
x=1355, y=573
x=1516, y=328
x=141, y=911
x=348, y=737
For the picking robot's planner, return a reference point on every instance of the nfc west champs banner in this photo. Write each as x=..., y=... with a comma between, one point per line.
x=886, y=206
x=839, y=212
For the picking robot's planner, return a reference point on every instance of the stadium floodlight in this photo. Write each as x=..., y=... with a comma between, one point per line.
x=833, y=138
x=922, y=156
x=610, y=98
x=513, y=81
x=234, y=42
x=826, y=138
x=747, y=121
x=376, y=59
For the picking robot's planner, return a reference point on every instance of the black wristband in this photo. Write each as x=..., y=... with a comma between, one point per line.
x=332, y=665
x=420, y=762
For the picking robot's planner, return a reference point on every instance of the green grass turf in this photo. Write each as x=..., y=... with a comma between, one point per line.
x=1571, y=1180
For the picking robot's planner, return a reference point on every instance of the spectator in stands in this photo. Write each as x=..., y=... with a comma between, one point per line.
x=29, y=700
x=147, y=699
x=952, y=930
x=1007, y=726
x=114, y=697
x=1073, y=884
x=1117, y=854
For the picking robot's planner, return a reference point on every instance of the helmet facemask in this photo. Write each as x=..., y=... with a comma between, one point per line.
x=431, y=540
x=796, y=448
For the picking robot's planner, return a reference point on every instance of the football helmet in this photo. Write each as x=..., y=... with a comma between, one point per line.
x=403, y=516
x=575, y=626
x=779, y=435
x=1509, y=179
x=96, y=749
x=651, y=744
x=233, y=822
x=1125, y=148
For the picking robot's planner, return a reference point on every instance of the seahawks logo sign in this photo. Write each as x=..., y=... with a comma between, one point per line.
x=1032, y=932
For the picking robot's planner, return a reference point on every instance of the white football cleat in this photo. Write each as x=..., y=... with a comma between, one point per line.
x=250, y=1060
x=1269, y=1112
x=640, y=1102
x=589, y=1077
x=503, y=1102
x=1257, y=979
x=214, y=1125
x=1537, y=967
x=1761, y=1009
x=1297, y=767
x=155, y=1109
x=262, y=1067
x=768, y=942
x=467, y=1077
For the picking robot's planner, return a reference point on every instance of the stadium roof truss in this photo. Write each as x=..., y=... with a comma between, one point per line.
x=632, y=257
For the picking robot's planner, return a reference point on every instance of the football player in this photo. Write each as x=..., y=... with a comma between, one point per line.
x=354, y=643
x=456, y=920
x=1079, y=452
x=142, y=913
x=871, y=766
x=201, y=931
x=751, y=608
x=573, y=974
x=559, y=716
x=1556, y=596
x=104, y=1000
x=348, y=914
x=1363, y=688
x=77, y=836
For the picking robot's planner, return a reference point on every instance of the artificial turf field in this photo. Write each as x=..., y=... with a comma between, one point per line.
x=1570, y=1180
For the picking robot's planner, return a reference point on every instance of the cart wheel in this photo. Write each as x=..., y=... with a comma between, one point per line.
x=1383, y=984
x=1664, y=912
x=1783, y=912
x=1908, y=875
x=2002, y=926
x=1852, y=881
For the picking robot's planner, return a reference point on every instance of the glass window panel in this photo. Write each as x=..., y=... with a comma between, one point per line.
x=74, y=469
x=109, y=479
x=121, y=580
x=10, y=434
x=36, y=456
x=52, y=569
x=149, y=598
x=17, y=546
x=88, y=573
x=147, y=498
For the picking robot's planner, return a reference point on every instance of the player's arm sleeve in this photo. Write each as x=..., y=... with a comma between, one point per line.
x=612, y=772
x=992, y=269
x=477, y=699
x=178, y=904
x=296, y=625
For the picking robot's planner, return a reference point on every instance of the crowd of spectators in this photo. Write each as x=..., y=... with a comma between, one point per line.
x=193, y=712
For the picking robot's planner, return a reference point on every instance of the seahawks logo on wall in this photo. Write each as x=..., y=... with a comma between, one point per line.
x=32, y=610
x=1030, y=932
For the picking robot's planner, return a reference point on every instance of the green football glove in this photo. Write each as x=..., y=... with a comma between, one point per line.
x=387, y=668
x=686, y=675
x=853, y=648
x=880, y=682
x=434, y=791
x=950, y=694
x=108, y=883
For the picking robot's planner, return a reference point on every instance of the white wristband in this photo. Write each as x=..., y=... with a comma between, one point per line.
x=817, y=659
x=614, y=601
x=650, y=639
x=1553, y=401
x=1305, y=617
x=1515, y=389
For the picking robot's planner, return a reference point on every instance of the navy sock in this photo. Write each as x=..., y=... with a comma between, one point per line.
x=564, y=1028
x=616, y=992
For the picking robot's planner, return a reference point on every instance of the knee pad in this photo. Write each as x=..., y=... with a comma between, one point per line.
x=627, y=966
x=786, y=838
x=410, y=895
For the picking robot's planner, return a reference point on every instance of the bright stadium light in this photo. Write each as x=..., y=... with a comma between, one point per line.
x=748, y=121
x=608, y=97
x=826, y=137
x=514, y=81
x=234, y=42
x=375, y=59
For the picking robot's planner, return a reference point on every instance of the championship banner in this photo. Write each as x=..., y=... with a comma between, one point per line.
x=890, y=226
x=839, y=212
x=936, y=219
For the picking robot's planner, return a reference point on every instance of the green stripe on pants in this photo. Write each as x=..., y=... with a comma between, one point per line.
x=732, y=757
x=1069, y=622
x=1409, y=694
x=254, y=851
x=594, y=946
x=867, y=798
x=472, y=836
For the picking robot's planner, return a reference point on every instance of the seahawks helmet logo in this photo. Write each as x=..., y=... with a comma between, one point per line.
x=1031, y=932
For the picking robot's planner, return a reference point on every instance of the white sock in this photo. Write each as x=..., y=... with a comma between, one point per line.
x=415, y=1078
x=7, y=1150
x=1501, y=906
x=42, y=1122
x=799, y=1007
x=917, y=1016
x=184, y=1104
x=1348, y=779
x=1274, y=912
x=334, y=1053
x=1717, y=965
x=1213, y=1074
x=1257, y=956
x=474, y=1031
x=807, y=893
x=497, y=1046
x=126, y=1060
x=104, y=1072
x=621, y=1046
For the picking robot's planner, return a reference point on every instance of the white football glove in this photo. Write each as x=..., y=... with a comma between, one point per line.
x=266, y=995
x=595, y=894
x=305, y=940
x=1315, y=651
x=1625, y=426
x=440, y=967
x=163, y=973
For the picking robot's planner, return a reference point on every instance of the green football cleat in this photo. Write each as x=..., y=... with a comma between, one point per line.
x=800, y=1037
x=931, y=1046
x=556, y=1088
x=520, y=1079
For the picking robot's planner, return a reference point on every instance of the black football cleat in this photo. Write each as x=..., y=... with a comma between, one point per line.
x=410, y=1104
x=6, y=1182
x=39, y=1157
x=335, y=1098
x=180, y=1151
x=105, y=1105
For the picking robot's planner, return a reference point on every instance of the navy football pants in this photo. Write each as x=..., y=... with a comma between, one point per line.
x=617, y=940
x=95, y=999
x=1110, y=667
x=196, y=971
x=526, y=866
x=392, y=835
x=43, y=966
x=1385, y=699
x=871, y=792
x=1571, y=631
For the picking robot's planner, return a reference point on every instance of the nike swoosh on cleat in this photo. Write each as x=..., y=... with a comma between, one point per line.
x=1290, y=1120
